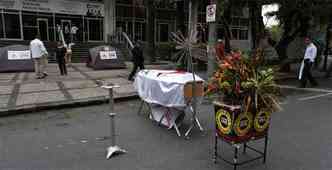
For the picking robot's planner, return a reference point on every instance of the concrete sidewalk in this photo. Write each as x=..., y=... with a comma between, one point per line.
x=21, y=92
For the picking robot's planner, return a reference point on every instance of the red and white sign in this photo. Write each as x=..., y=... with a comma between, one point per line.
x=211, y=13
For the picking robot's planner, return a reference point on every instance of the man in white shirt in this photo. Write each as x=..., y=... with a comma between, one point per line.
x=73, y=32
x=308, y=60
x=39, y=55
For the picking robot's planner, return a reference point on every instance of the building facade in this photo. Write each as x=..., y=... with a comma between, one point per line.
x=97, y=20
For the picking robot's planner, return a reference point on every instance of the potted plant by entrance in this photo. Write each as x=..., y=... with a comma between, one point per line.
x=245, y=96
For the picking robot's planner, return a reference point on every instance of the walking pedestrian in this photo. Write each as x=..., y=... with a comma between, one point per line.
x=138, y=60
x=39, y=55
x=308, y=60
x=220, y=50
x=61, y=52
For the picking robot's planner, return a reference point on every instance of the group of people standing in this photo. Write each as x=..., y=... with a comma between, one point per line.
x=40, y=57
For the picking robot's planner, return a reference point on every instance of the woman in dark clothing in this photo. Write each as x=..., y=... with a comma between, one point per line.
x=61, y=52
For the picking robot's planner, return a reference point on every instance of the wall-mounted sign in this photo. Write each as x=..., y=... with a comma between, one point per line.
x=75, y=7
x=211, y=13
x=108, y=55
x=19, y=55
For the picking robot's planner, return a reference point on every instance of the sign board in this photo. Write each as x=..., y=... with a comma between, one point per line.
x=211, y=13
x=108, y=55
x=74, y=7
x=19, y=55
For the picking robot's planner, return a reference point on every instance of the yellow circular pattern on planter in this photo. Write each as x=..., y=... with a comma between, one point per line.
x=243, y=124
x=224, y=121
x=262, y=121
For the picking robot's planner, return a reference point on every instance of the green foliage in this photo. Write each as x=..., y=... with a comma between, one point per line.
x=276, y=32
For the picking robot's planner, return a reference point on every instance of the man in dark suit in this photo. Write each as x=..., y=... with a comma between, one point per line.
x=138, y=60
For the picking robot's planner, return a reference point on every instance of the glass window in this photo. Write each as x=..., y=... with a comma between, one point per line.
x=243, y=35
x=124, y=11
x=163, y=32
x=95, y=30
x=140, y=31
x=140, y=12
x=12, y=26
x=1, y=26
x=244, y=22
x=235, y=34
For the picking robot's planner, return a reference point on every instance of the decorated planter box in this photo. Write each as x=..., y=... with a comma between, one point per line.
x=236, y=126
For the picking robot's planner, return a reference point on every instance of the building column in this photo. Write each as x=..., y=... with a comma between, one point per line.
x=109, y=19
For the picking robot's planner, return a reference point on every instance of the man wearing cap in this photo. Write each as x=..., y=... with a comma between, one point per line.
x=308, y=60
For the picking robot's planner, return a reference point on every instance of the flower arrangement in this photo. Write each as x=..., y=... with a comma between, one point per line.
x=242, y=80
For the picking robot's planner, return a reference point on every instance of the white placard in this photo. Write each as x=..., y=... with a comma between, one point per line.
x=108, y=55
x=211, y=13
x=19, y=55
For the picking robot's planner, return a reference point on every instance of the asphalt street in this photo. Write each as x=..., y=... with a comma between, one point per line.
x=76, y=139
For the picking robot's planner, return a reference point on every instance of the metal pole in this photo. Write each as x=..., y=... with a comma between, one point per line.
x=113, y=148
x=111, y=100
x=112, y=126
x=212, y=39
x=236, y=157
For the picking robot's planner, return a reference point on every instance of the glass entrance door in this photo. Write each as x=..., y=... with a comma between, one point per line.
x=95, y=30
x=42, y=24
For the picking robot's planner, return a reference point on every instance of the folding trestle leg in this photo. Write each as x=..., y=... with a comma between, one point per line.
x=194, y=121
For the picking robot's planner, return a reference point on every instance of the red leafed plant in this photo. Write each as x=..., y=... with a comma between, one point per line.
x=241, y=79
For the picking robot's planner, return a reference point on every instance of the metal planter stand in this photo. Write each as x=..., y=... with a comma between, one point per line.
x=236, y=162
x=113, y=149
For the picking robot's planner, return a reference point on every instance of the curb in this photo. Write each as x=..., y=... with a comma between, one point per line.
x=61, y=105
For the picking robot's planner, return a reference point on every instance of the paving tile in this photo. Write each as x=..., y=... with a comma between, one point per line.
x=20, y=77
x=42, y=86
x=4, y=81
x=6, y=89
x=6, y=76
x=108, y=73
x=79, y=84
x=84, y=68
x=87, y=93
x=125, y=89
x=42, y=97
x=118, y=81
x=4, y=100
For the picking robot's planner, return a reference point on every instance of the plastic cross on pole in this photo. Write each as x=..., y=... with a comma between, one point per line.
x=113, y=149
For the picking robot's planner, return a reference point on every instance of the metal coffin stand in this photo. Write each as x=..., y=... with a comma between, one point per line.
x=188, y=95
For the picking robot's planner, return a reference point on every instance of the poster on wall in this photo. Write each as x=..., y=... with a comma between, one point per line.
x=108, y=55
x=19, y=55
